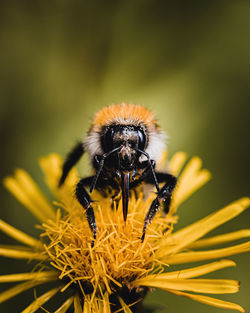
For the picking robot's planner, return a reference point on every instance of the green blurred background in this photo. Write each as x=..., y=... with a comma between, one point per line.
x=189, y=61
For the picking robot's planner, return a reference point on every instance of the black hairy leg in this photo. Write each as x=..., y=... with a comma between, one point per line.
x=163, y=196
x=164, y=178
x=85, y=200
x=72, y=158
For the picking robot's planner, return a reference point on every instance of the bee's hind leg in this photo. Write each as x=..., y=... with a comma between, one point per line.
x=72, y=158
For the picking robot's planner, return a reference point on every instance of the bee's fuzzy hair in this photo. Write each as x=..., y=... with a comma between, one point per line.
x=126, y=114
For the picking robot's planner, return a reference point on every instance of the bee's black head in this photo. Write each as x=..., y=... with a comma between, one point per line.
x=129, y=138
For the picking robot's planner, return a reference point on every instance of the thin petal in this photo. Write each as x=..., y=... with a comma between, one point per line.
x=35, y=193
x=106, y=304
x=12, y=185
x=161, y=164
x=192, y=178
x=27, y=192
x=65, y=306
x=125, y=307
x=77, y=305
x=38, y=302
x=189, y=234
x=196, y=256
x=209, y=301
x=220, y=239
x=27, y=276
x=21, y=253
x=12, y=292
x=191, y=272
x=52, y=168
x=86, y=307
x=19, y=235
x=216, y=286
x=176, y=163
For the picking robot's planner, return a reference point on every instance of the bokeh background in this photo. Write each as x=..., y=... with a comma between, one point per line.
x=189, y=61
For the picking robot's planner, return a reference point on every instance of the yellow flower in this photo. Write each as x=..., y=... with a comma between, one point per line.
x=116, y=273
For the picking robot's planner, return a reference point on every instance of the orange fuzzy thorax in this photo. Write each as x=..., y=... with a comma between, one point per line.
x=125, y=111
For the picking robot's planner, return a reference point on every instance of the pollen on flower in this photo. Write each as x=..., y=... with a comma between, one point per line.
x=118, y=256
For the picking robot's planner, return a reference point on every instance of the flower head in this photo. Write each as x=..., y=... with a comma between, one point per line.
x=118, y=271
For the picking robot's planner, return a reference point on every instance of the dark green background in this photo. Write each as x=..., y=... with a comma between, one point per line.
x=189, y=61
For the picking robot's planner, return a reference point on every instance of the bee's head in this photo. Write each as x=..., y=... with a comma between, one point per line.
x=128, y=138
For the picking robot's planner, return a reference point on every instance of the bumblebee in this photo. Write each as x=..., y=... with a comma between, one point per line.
x=124, y=143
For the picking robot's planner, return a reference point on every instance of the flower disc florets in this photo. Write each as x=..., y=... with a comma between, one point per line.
x=118, y=256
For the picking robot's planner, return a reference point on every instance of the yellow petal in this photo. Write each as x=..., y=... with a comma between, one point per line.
x=191, y=272
x=189, y=234
x=161, y=164
x=195, y=285
x=38, y=302
x=20, y=253
x=77, y=305
x=192, y=178
x=86, y=308
x=34, y=193
x=209, y=301
x=27, y=276
x=65, y=306
x=19, y=235
x=52, y=168
x=12, y=185
x=220, y=239
x=106, y=304
x=125, y=307
x=27, y=192
x=188, y=257
x=176, y=163
x=12, y=292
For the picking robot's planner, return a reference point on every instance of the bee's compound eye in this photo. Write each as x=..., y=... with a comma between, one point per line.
x=141, y=139
x=108, y=139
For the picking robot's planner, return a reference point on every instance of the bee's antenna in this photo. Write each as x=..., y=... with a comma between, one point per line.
x=151, y=166
x=100, y=166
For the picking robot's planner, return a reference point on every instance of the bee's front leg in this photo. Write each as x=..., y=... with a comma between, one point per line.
x=163, y=196
x=85, y=200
